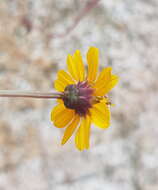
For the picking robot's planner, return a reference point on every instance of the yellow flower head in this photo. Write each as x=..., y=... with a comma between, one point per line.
x=83, y=99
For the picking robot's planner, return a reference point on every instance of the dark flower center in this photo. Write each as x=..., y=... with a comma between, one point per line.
x=78, y=97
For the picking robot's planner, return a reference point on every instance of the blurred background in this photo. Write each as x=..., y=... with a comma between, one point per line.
x=35, y=38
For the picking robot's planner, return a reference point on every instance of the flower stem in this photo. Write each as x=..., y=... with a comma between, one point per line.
x=29, y=94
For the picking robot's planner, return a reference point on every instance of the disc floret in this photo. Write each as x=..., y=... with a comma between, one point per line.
x=78, y=97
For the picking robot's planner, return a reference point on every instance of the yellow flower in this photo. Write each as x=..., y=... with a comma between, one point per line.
x=83, y=99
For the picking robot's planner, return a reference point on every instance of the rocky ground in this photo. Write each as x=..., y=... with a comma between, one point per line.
x=35, y=38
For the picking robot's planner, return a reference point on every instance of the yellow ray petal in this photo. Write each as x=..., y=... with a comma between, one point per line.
x=104, y=77
x=60, y=101
x=63, y=80
x=72, y=68
x=83, y=133
x=114, y=80
x=70, y=129
x=61, y=116
x=100, y=115
x=105, y=82
x=65, y=77
x=77, y=58
x=92, y=59
x=104, y=90
x=102, y=81
x=59, y=86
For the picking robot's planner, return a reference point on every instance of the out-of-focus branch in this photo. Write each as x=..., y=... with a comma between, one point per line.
x=88, y=7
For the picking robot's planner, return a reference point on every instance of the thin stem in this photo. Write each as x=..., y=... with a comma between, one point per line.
x=29, y=94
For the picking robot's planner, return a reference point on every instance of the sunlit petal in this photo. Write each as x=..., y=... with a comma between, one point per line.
x=83, y=133
x=105, y=82
x=114, y=80
x=92, y=59
x=77, y=58
x=59, y=86
x=70, y=129
x=100, y=115
x=73, y=68
x=61, y=116
x=63, y=80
